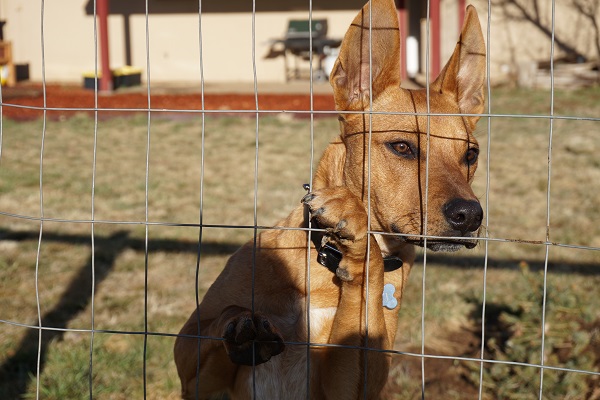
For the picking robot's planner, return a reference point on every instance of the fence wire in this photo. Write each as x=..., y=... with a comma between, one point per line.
x=255, y=227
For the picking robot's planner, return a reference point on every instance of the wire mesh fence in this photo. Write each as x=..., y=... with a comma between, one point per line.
x=545, y=344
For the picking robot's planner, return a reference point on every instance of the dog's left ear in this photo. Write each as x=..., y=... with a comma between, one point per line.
x=367, y=52
x=463, y=77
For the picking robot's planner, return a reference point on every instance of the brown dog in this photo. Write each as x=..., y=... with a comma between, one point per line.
x=253, y=340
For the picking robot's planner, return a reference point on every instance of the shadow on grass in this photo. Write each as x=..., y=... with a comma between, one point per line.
x=470, y=262
x=17, y=370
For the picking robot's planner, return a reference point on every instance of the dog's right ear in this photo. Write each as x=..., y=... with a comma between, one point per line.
x=463, y=77
x=367, y=52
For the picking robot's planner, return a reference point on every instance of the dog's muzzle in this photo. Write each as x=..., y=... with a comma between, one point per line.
x=456, y=239
x=449, y=245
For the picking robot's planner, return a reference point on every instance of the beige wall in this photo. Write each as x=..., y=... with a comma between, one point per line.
x=68, y=37
x=174, y=50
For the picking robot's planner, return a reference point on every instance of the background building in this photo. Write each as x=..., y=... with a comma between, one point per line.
x=173, y=45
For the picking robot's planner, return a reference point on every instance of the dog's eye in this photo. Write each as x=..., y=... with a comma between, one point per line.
x=472, y=155
x=402, y=149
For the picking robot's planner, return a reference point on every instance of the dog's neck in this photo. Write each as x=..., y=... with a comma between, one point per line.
x=391, y=246
x=330, y=171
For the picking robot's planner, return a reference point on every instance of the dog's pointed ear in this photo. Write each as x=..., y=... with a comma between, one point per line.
x=380, y=45
x=464, y=74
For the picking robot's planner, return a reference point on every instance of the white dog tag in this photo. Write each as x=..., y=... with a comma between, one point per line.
x=389, y=301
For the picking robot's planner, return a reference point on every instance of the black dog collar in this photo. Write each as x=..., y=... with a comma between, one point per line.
x=330, y=256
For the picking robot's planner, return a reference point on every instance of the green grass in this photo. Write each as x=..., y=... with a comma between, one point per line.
x=454, y=284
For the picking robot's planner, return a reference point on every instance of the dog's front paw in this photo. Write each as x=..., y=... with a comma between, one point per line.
x=338, y=211
x=344, y=217
x=251, y=340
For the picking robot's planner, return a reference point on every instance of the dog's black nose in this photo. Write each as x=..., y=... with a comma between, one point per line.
x=463, y=215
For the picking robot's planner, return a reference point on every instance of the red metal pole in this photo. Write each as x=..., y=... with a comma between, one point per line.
x=403, y=22
x=105, y=84
x=436, y=65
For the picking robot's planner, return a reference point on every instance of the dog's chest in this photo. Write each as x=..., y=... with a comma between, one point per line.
x=283, y=377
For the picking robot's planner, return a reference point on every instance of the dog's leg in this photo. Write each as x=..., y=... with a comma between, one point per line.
x=248, y=339
x=369, y=369
x=359, y=320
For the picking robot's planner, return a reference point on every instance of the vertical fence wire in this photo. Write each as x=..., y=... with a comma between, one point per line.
x=368, y=253
x=256, y=227
x=92, y=213
x=255, y=205
x=487, y=196
x=146, y=198
x=425, y=200
x=548, y=186
x=201, y=200
x=310, y=188
x=1, y=122
x=39, y=245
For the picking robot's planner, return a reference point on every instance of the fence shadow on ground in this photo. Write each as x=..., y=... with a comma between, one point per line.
x=469, y=262
x=17, y=370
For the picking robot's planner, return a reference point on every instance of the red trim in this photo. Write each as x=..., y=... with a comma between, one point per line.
x=462, y=5
x=105, y=83
x=436, y=48
x=403, y=23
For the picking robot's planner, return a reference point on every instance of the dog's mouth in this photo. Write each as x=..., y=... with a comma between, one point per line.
x=438, y=244
x=444, y=245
